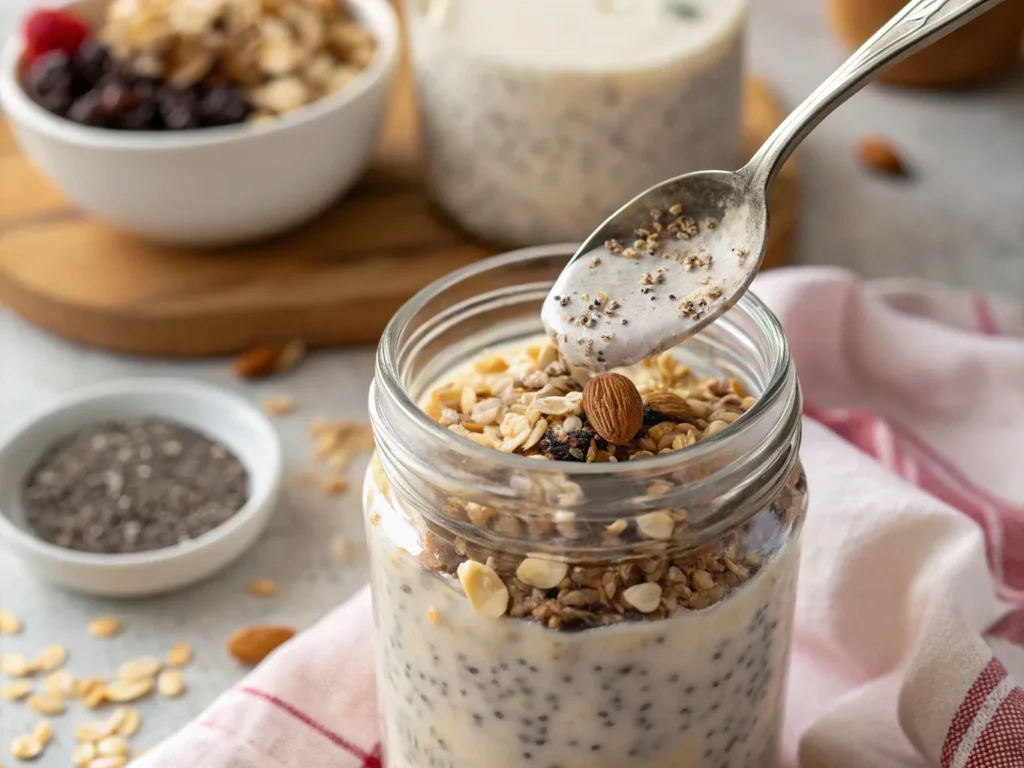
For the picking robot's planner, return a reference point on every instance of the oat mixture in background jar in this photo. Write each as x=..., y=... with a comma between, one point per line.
x=539, y=119
x=543, y=597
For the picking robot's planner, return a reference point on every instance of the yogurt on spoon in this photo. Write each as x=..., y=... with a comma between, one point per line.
x=610, y=307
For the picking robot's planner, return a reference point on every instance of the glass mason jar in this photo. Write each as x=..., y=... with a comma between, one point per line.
x=698, y=682
x=538, y=119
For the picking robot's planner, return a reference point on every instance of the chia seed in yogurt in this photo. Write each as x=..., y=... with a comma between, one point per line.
x=636, y=645
x=540, y=118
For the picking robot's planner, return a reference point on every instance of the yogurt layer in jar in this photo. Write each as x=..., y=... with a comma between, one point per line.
x=544, y=597
x=540, y=118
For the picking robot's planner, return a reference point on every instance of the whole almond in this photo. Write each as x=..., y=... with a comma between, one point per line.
x=251, y=645
x=268, y=359
x=670, y=404
x=614, y=407
x=880, y=155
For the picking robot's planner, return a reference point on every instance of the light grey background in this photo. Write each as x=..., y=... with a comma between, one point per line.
x=961, y=221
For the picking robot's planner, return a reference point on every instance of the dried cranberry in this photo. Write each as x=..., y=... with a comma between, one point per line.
x=89, y=110
x=49, y=82
x=145, y=117
x=178, y=108
x=91, y=63
x=52, y=30
x=118, y=97
x=224, y=106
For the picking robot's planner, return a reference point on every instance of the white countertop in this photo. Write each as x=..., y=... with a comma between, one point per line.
x=959, y=221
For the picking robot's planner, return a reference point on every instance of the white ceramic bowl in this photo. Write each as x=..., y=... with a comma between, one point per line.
x=218, y=414
x=214, y=186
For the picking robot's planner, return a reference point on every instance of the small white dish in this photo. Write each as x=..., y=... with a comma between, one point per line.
x=215, y=186
x=218, y=414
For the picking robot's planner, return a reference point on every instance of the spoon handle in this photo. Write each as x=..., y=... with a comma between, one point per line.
x=917, y=24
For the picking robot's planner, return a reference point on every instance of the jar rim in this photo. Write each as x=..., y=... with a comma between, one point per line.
x=388, y=378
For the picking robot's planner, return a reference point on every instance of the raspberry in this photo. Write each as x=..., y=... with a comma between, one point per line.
x=50, y=30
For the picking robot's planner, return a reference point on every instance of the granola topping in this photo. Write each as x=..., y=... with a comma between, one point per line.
x=526, y=402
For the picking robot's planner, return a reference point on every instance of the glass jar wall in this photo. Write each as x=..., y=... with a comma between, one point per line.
x=539, y=119
x=566, y=613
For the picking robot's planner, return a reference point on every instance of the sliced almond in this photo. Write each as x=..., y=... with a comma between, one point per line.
x=129, y=690
x=644, y=597
x=83, y=753
x=112, y=746
x=278, y=405
x=95, y=695
x=170, y=683
x=47, y=703
x=94, y=731
x=263, y=587
x=26, y=747
x=880, y=155
x=15, y=664
x=127, y=721
x=43, y=732
x=614, y=407
x=50, y=658
x=269, y=359
x=179, y=655
x=13, y=690
x=251, y=645
x=543, y=574
x=10, y=624
x=139, y=669
x=61, y=682
x=105, y=627
x=656, y=525
x=487, y=594
x=86, y=684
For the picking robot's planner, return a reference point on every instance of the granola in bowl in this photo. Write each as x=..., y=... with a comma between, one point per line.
x=153, y=65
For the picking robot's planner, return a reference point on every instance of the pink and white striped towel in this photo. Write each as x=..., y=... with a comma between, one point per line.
x=910, y=617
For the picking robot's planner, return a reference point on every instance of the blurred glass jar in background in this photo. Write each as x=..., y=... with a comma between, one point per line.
x=540, y=119
x=984, y=49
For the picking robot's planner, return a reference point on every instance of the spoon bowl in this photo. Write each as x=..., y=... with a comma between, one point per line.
x=700, y=238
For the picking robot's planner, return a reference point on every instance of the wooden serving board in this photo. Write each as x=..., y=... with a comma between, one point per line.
x=335, y=281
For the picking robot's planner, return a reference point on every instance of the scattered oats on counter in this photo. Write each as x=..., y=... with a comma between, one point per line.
x=99, y=743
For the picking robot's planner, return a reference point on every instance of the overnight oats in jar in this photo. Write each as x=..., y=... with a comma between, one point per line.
x=571, y=571
x=539, y=118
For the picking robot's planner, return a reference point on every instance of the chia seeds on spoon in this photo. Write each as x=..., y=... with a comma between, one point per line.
x=133, y=486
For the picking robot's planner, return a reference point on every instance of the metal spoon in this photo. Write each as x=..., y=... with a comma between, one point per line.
x=737, y=199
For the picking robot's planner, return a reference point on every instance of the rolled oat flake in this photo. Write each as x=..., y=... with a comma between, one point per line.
x=133, y=486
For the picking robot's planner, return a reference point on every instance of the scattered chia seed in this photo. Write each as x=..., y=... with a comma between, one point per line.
x=133, y=486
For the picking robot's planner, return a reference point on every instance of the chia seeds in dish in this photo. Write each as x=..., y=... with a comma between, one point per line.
x=649, y=652
x=133, y=486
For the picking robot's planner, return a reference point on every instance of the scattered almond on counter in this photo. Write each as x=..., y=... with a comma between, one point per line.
x=179, y=655
x=880, y=155
x=250, y=645
x=263, y=587
x=278, y=405
x=105, y=627
x=10, y=624
x=269, y=359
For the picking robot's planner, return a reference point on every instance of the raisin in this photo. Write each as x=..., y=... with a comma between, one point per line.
x=652, y=417
x=573, y=447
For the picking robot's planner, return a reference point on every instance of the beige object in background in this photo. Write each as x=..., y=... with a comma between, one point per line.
x=981, y=50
